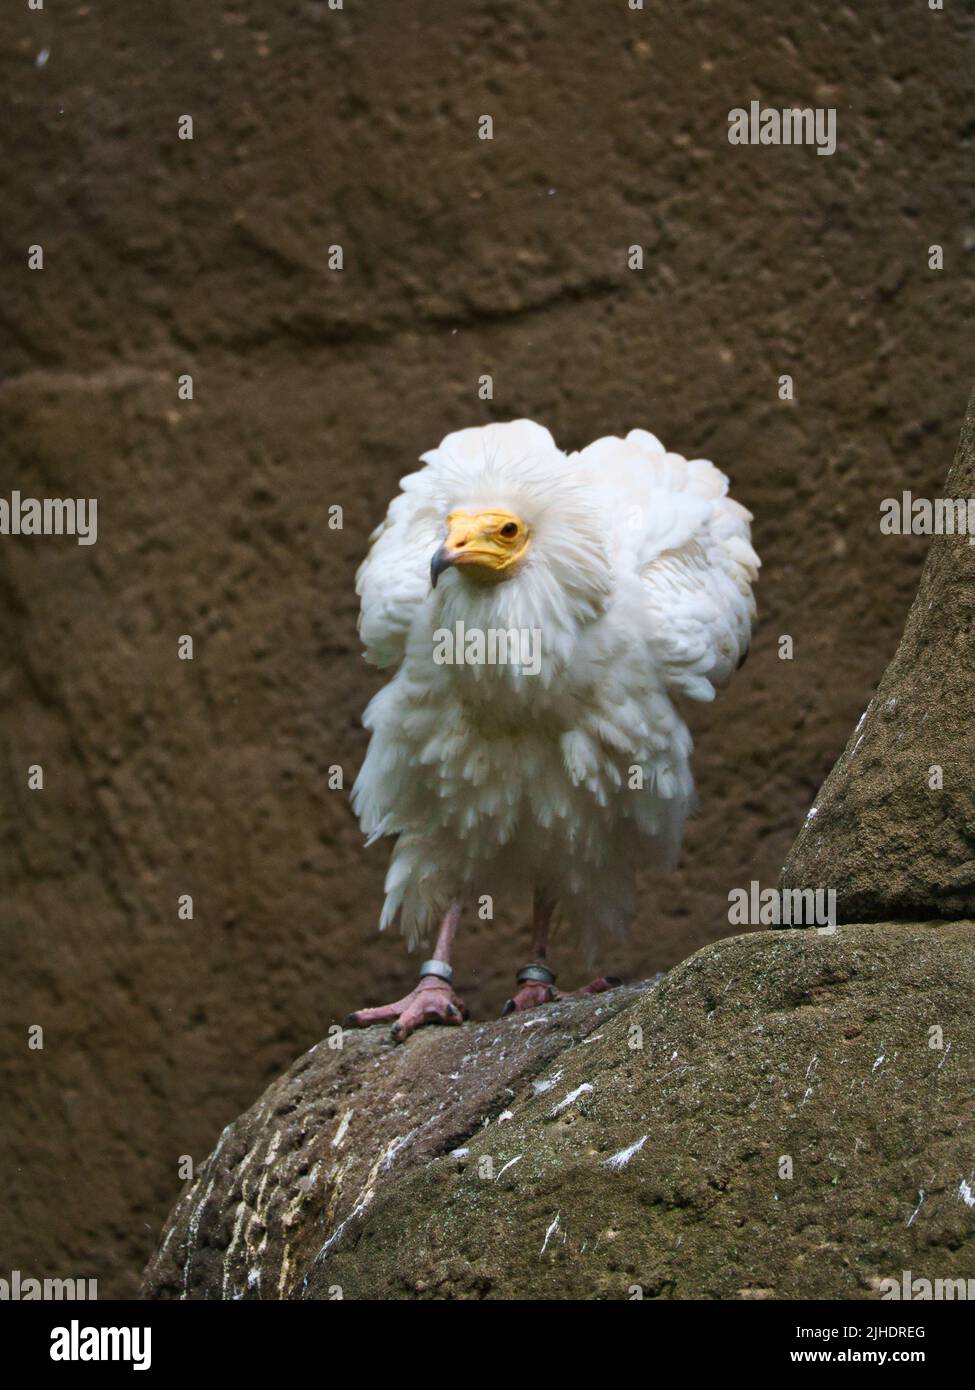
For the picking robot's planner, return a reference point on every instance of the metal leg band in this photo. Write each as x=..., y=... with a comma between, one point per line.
x=440, y=968
x=535, y=974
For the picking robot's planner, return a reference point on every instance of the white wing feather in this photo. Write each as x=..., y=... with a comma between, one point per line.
x=394, y=577
x=689, y=545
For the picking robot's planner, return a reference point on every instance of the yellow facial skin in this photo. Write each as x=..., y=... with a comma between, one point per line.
x=486, y=545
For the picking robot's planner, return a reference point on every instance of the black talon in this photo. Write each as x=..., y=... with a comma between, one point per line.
x=509, y=1007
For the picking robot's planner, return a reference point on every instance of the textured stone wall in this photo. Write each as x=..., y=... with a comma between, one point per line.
x=314, y=388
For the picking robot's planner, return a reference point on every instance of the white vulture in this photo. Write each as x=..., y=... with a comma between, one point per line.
x=544, y=613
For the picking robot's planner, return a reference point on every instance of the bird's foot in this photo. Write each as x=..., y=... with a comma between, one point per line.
x=432, y=1000
x=529, y=997
x=538, y=987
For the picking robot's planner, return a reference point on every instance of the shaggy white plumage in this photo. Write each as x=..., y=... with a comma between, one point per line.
x=637, y=580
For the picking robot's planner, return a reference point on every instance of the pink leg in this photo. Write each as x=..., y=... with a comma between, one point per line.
x=432, y=1000
x=535, y=992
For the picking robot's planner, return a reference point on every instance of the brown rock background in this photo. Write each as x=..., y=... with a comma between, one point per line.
x=314, y=388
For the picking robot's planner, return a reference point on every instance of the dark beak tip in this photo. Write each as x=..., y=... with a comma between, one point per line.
x=441, y=561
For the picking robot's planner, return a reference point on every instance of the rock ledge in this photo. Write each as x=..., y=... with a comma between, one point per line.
x=643, y=1138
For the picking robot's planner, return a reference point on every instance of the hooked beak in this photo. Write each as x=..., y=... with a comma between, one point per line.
x=442, y=560
x=461, y=530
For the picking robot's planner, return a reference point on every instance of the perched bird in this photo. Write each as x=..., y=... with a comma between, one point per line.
x=545, y=612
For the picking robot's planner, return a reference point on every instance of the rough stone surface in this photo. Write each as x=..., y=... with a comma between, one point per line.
x=549, y=1156
x=893, y=826
x=163, y=256
x=337, y=1128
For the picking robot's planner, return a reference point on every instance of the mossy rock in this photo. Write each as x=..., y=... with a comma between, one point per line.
x=786, y=1115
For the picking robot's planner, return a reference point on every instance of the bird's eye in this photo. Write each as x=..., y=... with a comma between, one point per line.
x=509, y=529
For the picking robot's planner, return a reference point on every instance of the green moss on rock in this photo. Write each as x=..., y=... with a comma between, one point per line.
x=641, y=1145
